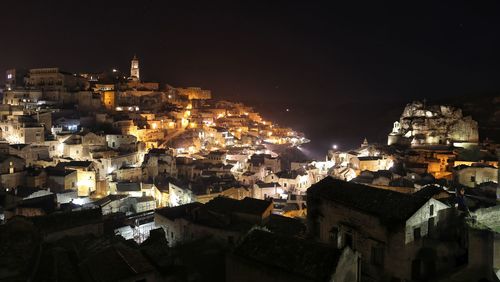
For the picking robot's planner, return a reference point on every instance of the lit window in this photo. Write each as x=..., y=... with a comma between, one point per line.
x=9, y=76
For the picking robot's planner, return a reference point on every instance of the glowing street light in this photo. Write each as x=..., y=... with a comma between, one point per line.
x=334, y=146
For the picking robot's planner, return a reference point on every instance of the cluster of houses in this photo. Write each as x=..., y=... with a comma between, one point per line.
x=121, y=181
x=408, y=169
x=353, y=232
x=114, y=141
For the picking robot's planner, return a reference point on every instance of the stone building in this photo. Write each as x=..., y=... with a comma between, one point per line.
x=262, y=190
x=53, y=78
x=24, y=97
x=30, y=153
x=473, y=175
x=86, y=175
x=396, y=234
x=423, y=125
x=109, y=99
x=14, y=78
x=22, y=130
x=159, y=162
x=118, y=141
x=12, y=171
x=224, y=219
x=134, y=69
x=194, y=93
x=59, y=180
x=77, y=223
x=265, y=256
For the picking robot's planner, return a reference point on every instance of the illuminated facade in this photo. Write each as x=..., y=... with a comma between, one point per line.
x=195, y=93
x=134, y=69
x=53, y=78
x=109, y=99
x=423, y=125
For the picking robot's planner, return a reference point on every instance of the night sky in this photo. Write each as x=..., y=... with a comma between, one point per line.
x=344, y=70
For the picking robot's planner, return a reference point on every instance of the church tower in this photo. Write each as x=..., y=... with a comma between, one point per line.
x=134, y=69
x=365, y=143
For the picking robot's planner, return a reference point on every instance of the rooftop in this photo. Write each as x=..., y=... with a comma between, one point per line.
x=247, y=205
x=173, y=213
x=128, y=187
x=292, y=255
x=108, y=199
x=261, y=184
x=52, y=171
x=66, y=220
x=19, y=146
x=388, y=206
x=84, y=164
x=116, y=263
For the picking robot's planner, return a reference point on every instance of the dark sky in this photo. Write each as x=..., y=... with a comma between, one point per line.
x=344, y=70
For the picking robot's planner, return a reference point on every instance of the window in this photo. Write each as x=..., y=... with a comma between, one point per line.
x=377, y=256
x=334, y=236
x=348, y=240
x=430, y=226
x=431, y=210
x=473, y=178
x=416, y=233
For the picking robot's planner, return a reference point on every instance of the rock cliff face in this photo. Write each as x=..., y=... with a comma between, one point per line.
x=432, y=125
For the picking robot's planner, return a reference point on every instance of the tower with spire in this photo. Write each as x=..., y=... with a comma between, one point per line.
x=134, y=69
x=365, y=143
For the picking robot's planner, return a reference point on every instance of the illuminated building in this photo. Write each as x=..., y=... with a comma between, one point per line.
x=19, y=131
x=55, y=79
x=134, y=69
x=21, y=97
x=423, y=125
x=195, y=218
x=472, y=176
x=14, y=78
x=86, y=175
x=12, y=171
x=109, y=99
x=195, y=93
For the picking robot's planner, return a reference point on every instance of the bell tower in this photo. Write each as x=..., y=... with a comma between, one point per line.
x=134, y=69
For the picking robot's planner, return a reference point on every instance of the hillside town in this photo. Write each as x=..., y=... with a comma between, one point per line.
x=107, y=177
